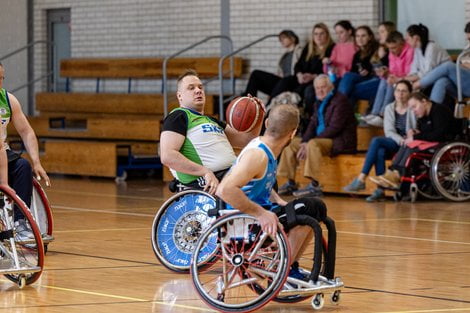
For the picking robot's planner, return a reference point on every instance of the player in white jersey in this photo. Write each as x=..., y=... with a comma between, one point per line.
x=194, y=145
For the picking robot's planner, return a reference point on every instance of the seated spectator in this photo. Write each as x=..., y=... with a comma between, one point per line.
x=264, y=81
x=331, y=131
x=435, y=124
x=343, y=52
x=443, y=78
x=309, y=64
x=399, y=59
x=385, y=28
x=398, y=119
x=361, y=82
x=427, y=54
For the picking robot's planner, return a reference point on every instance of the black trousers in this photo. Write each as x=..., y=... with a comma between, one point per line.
x=20, y=178
x=261, y=81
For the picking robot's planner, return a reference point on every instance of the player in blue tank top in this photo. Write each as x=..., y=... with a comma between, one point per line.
x=248, y=186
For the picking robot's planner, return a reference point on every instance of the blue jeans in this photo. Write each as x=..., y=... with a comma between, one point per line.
x=357, y=87
x=444, y=78
x=380, y=148
x=383, y=97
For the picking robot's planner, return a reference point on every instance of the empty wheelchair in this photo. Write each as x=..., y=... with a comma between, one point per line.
x=243, y=268
x=21, y=246
x=177, y=226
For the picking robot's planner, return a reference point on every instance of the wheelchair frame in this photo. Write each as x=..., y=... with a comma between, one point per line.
x=250, y=268
x=21, y=259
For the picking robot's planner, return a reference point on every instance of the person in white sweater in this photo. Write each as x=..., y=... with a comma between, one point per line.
x=398, y=119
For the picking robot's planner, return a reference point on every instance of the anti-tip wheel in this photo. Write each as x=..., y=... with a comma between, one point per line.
x=318, y=301
x=336, y=297
x=21, y=281
x=121, y=178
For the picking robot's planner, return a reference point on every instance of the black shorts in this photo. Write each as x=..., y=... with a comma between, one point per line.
x=313, y=207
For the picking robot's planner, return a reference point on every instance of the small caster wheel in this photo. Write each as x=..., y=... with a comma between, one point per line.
x=121, y=178
x=221, y=297
x=413, y=192
x=45, y=247
x=397, y=196
x=318, y=301
x=336, y=297
x=21, y=281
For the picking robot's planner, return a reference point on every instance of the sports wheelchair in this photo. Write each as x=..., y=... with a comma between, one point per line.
x=21, y=245
x=42, y=213
x=236, y=267
x=438, y=172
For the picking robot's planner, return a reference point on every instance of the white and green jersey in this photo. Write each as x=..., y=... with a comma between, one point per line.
x=5, y=114
x=205, y=143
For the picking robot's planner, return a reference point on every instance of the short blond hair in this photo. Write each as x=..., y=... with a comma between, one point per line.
x=282, y=120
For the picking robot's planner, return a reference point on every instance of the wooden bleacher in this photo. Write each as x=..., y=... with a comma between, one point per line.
x=85, y=133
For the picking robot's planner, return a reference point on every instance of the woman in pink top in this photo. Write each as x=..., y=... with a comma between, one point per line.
x=344, y=50
x=399, y=62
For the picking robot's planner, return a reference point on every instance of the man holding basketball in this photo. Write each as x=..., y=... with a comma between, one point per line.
x=197, y=148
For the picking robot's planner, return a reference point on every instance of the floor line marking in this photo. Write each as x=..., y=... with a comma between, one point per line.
x=99, y=211
x=402, y=219
x=402, y=237
x=125, y=298
x=102, y=229
x=432, y=310
x=106, y=195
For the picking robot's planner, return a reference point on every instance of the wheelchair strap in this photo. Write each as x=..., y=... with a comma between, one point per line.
x=7, y=234
x=291, y=217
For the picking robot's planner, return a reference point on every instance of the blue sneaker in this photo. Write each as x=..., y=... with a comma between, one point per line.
x=377, y=195
x=295, y=273
x=309, y=191
x=287, y=188
x=355, y=186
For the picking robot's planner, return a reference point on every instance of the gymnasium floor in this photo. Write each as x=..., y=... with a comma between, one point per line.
x=393, y=257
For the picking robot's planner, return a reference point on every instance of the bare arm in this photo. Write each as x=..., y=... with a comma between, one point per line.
x=29, y=138
x=251, y=165
x=3, y=160
x=170, y=155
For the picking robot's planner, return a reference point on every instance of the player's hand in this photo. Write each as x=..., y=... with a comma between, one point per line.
x=8, y=188
x=302, y=153
x=40, y=173
x=211, y=182
x=268, y=222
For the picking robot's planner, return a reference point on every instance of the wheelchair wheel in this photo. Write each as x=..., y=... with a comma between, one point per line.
x=427, y=190
x=178, y=225
x=245, y=256
x=450, y=171
x=21, y=243
x=42, y=212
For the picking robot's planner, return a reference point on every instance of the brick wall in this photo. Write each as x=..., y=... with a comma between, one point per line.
x=161, y=27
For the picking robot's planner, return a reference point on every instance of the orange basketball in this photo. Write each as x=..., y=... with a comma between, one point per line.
x=244, y=114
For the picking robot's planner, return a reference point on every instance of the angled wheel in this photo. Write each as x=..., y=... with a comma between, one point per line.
x=245, y=256
x=450, y=171
x=41, y=210
x=21, y=242
x=178, y=225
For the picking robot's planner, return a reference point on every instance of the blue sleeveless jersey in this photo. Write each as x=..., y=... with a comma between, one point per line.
x=259, y=190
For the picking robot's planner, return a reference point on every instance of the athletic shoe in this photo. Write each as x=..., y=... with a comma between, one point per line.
x=391, y=178
x=287, y=188
x=23, y=232
x=296, y=273
x=309, y=191
x=377, y=195
x=355, y=186
x=376, y=121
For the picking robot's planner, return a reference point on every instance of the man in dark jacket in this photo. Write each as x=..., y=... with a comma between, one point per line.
x=331, y=131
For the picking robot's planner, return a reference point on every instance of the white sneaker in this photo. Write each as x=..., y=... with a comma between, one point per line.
x=23, y=232
x=368, y=117
x=376, y=121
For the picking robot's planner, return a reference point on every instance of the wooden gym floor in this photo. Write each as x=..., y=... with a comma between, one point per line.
x=393, y=257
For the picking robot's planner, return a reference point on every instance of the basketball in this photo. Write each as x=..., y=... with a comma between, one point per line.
x=244, y=114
